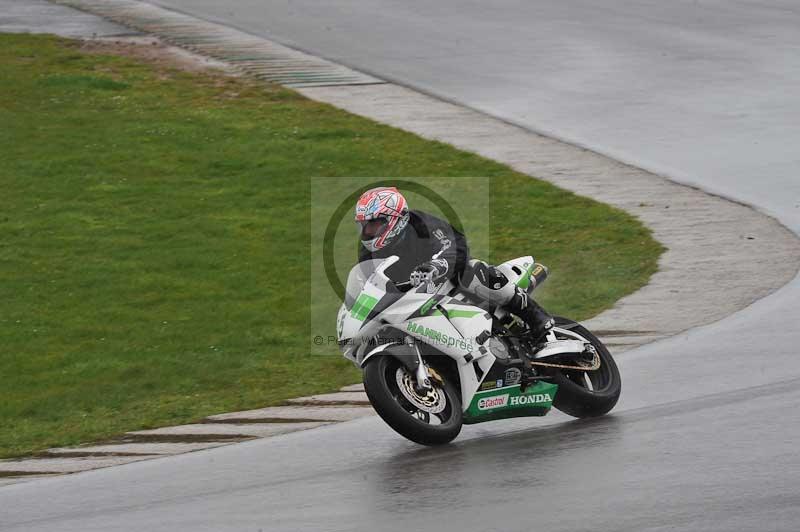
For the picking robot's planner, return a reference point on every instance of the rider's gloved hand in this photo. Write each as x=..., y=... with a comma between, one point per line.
x=428, y=271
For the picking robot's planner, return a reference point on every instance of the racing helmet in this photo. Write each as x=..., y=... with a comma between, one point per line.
x=381, y=215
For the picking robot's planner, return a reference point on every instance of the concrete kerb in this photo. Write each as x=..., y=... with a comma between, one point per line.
x=721, y=256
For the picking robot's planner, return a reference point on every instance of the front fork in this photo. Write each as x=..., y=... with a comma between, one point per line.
x=422, y=377
x=409, y=355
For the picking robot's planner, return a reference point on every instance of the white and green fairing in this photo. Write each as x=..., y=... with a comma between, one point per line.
x=489, y=389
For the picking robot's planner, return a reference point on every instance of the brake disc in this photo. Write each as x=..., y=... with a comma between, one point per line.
x=434, y=399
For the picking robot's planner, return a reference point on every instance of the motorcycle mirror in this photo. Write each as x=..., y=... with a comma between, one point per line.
x=379, y=277
x=385, y=264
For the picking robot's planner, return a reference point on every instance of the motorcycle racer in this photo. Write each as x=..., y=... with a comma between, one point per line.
x=431, y=249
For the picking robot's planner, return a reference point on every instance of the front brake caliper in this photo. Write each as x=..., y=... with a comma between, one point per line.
x=435, y=376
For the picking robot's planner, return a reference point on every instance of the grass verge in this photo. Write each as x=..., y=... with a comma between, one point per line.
x=154, y=251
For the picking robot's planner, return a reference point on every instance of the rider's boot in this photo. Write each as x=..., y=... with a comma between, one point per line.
x=538, y=320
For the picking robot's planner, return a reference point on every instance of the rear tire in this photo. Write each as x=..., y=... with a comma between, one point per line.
x=576, y=396
x=383, y=390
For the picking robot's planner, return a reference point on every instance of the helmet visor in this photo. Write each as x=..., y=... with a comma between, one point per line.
x=371, y=229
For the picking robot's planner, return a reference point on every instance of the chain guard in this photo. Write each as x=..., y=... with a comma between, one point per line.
x=594, y=365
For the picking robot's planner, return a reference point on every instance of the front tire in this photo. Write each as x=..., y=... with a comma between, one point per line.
x=434, y=419
x=587, y=393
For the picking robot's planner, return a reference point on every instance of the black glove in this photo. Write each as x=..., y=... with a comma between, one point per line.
x=428, y=272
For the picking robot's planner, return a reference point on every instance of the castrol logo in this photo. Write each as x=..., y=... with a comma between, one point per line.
x=494, y=401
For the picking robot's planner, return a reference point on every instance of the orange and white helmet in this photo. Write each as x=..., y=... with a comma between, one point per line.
x=382, y=214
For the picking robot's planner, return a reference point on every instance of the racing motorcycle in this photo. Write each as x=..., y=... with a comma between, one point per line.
x=434, y=358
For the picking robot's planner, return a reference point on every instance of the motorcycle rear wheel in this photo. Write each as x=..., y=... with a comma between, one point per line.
x=587, y=393
x=434, y=419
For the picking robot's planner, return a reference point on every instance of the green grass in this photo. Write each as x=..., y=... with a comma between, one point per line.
x=154, y=240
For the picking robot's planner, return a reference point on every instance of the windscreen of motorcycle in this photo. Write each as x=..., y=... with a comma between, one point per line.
x=357, y=279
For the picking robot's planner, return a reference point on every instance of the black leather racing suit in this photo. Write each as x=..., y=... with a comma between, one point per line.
x=425, y=238
x=428, y=238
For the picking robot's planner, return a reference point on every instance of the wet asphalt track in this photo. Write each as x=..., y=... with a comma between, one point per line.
x=706, y=435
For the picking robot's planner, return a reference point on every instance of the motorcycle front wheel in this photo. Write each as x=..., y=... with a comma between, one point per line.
x=432, y=418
